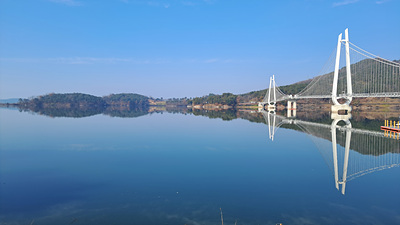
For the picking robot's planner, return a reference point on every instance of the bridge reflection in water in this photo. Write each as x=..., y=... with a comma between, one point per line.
x=349, y=152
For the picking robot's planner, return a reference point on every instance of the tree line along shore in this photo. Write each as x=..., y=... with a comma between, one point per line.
x=211, y=101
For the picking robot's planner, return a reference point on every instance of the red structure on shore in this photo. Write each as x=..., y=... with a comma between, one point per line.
x=392, y=129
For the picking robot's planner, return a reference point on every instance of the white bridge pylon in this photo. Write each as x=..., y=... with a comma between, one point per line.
x=271, y=104
x=348, y=70
x=336, y=105
x=270, y=96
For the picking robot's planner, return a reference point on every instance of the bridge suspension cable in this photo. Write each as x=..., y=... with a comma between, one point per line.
x=374, y=76
x=321, y=85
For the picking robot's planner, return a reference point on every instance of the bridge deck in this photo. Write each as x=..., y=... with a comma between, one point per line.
x=360, y=95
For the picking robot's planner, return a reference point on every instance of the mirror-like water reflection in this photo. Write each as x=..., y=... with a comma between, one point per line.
x=371, y=150
x=177, y=166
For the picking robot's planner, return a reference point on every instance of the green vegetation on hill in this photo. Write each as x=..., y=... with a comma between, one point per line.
x=257, y=96
x=254, y=96
x=177, y=101
x=79, y=99
x=295, y=88
x=129, y=99
x=81, y=105
x=71, y=98
x=136, y=100
x=224, y=99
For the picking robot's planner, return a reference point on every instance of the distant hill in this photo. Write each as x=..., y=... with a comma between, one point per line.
x=256, y=96
x=79, y=100
x=126, y=99
x=10, y=101
x=224, y=99
x=136, y=100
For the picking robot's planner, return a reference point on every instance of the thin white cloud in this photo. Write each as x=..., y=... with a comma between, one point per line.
x=189, y=3
x=93, y=60
x=211, y=60
x=381, y=1
x=155, y=3
x=215, y=60
x=196, y=2
x=158, y=4
x=67, y=2
x=113, y=60
x=345, y=2
x=166, y=4
x=82, y=60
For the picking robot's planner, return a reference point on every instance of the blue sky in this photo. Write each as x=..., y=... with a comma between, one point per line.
x=180, y=48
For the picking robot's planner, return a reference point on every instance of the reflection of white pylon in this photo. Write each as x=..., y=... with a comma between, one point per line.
x=346, y=155
x=271, y=128
x=274, y=121
x=374, y=143
x=272, y=86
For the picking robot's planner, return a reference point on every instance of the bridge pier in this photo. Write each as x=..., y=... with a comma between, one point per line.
x=291, y=109
x=344, y=108
x=271, y=107
x=339, y=117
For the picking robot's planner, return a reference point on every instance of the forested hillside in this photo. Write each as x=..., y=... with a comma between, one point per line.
x=71, y=100
x=362, y=67
x=137, y=100
x=224, y=99
x=256, y=96
x=127, y=99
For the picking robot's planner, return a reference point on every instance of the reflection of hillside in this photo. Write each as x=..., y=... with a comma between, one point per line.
x=224, y=114
x=251, y=116
x=126, y=111
x=374, y=146
x=229, y=114
x=361, y=120
x=177, y=109
x=323, y=117
x=75, y=112
x=80, y=112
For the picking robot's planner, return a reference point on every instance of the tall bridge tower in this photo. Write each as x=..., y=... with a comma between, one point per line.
x=349, y=94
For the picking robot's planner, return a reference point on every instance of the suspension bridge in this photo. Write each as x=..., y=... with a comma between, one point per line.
x=349, y=152
x=358, y=74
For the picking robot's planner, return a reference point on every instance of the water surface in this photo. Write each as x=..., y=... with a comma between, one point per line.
x=181, y=168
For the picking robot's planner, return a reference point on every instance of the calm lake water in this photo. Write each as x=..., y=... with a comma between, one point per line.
x=181, y=168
